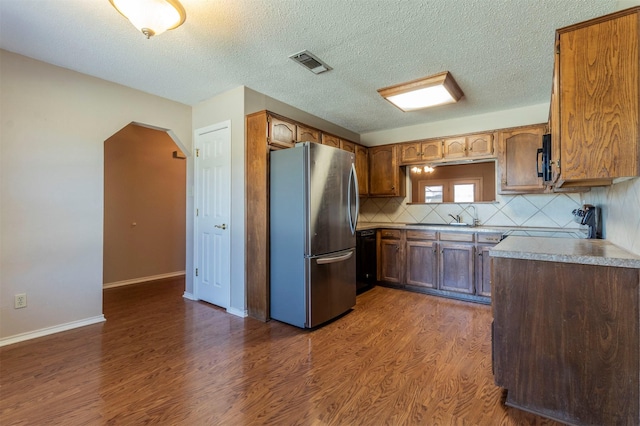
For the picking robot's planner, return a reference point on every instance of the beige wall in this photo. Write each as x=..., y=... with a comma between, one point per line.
x=52, y=129
x=146, y=185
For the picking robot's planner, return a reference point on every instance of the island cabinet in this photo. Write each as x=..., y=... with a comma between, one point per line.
x=457, y=262
x=386, y=178
x=595, y=115
x=390, y=255
x=566, y=335
x=517, y=153
x=421, y=259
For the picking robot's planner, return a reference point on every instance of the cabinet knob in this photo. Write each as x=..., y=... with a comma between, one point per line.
x=393, y=188
x=480, y=254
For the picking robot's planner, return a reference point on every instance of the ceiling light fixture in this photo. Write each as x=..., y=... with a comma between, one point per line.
x=151, y=17
x=424, y=92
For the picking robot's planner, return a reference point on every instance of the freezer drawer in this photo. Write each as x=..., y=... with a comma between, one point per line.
x=331, y=286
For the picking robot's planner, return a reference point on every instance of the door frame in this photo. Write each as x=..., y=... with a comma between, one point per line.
x=194, y=218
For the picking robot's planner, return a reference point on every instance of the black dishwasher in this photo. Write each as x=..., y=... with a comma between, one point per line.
x=366, y=266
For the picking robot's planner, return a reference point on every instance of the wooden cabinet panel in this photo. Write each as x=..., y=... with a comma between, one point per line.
x=282, y=134
x=422, y=263
x=483, y=270
x=410, y=152
x=347, y=146
x=330, y=140
x=566, y=341
x=456, y=267
x=421, y=235
x=306, y=134
x=362, y=169
x=390, y=256
x=479, y=145
x=598, y=99
x=517, y=152
x=386, y=178
x=432, y=151
x=455, y=148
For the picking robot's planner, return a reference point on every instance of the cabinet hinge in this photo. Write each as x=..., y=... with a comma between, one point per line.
x=196, y=272
x=268, y=140
x=197, y=212
x=557, y=49
x=197, y=153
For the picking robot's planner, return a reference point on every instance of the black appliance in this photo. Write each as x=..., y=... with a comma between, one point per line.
x=544, y=154
x=366, y=266
x=592, y=217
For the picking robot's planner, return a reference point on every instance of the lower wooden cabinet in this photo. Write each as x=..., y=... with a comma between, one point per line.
x=421, y=259
x=456, y=267
x=452, y=262
x=390, y=255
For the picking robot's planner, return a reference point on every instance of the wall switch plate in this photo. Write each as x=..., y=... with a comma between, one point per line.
x=20, y=301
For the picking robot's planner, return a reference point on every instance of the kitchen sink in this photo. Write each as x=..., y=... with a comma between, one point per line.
x=441, y=224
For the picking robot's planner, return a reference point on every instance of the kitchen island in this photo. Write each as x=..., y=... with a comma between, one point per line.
x=566, y=328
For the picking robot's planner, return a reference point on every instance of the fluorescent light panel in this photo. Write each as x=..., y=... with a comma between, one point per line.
x=425, y=92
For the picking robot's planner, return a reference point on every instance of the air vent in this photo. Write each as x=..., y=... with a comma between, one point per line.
x=310, y=62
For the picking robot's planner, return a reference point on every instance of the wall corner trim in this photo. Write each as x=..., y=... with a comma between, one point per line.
x=189, y=296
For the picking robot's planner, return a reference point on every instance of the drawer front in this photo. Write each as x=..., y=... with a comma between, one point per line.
x=420, y=235
x=394, y=234
x=457, y=236
x=489, y=238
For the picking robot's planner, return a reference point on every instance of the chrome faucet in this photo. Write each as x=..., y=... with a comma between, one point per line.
x=476, y=221
x=457, y=218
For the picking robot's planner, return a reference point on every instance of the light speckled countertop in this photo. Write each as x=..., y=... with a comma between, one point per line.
x=568, y=250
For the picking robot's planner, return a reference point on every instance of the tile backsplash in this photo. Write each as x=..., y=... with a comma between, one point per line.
x=620, y=205
x=535, y=210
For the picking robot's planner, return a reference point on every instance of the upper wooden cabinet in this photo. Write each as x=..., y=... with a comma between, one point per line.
x=386, y=178
x=455, y=148
x=330, y=140
x=362, y=169
x=469, y=146
x=517, y=152
x=282, y=134
x=347, y=146
x=306, y=134
x=595, y=112
x=421, y=151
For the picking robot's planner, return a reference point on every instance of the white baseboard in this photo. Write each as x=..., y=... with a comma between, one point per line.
x=189, y=296
x=143, y=279
x=237, y=312
x=50, y=330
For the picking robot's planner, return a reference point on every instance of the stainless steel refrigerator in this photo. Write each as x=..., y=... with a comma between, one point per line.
x=313, y=217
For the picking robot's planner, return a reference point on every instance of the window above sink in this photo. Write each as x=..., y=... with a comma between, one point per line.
x=459, y=183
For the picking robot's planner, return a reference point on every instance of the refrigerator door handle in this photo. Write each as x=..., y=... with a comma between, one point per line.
x=334, y=259
x=353, y=183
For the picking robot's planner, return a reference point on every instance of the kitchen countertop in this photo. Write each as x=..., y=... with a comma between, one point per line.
x=567, y=250
x=505, y=230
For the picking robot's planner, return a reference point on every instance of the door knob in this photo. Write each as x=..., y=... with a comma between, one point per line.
x=223, y=226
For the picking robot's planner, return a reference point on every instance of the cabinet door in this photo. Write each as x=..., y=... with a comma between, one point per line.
x=385, y=176
x=347, y=146
x=456, y=267
x=483, y=270
x=480, y=145
x=282, y=134
x=432, y=151
x=410, y=153
x=517, y=155
x=362, y=169
x=330, y=140
x=598, y=95
x=422, y=264
x=306, y=134
x=390, y=260
x=455, y=148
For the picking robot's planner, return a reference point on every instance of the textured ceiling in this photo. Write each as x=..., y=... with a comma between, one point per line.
x=499, y=51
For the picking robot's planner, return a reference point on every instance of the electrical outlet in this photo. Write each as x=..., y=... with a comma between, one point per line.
x=20, y=301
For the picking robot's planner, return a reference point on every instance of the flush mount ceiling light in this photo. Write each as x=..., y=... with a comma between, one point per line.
x=424, y=92
x=151, y=17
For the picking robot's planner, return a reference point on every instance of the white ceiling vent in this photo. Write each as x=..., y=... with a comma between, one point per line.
x=310, y=62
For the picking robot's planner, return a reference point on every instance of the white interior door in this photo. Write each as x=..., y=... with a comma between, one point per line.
x=213, y=207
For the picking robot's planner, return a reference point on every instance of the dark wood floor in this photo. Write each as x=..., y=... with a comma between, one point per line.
x=398, y=358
